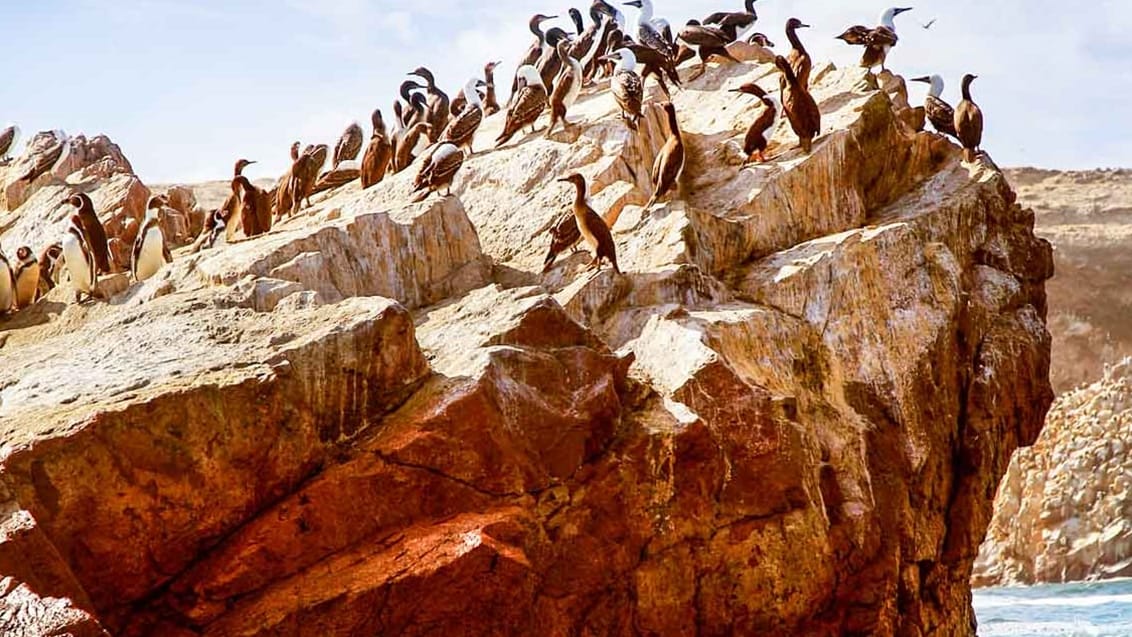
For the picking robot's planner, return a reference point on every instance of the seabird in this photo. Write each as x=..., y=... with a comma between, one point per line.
x=93, y=232
x=378, y=154
x=407, y=116
x=438, y=172
x=462, y=129
x=439, y=106
x=349, y=145
x=527, y=106
x=647, y=34
x=549, y=64
x=7, y=285
x=706, y=41
x=734, y=23
x=460, y=102
x=939, y=112
x=760, y=39
x=591, y=226
x=969, y=122
x=49, y=265
x=877, y=42
x=567, y=86
x=585, y=46
x=27, y=276
x=799, y=58
x=800, y=107
x=627, y=87
x=253, y=205
x=9, y=137
x=655, y=65
x=79, y=260
x=537, y=48
x=405, y=150
x=756, y=141
x=150, y=252
x=669, y=163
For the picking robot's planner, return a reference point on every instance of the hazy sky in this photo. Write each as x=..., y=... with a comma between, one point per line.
x=187, y=87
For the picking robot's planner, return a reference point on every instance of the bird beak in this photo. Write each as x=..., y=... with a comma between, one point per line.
x=803, y=26
x=252, y=162
x=633, y=3
x=900, y=10
x=921, y=79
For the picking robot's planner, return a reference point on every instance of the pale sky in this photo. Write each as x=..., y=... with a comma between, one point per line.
x=188, y=87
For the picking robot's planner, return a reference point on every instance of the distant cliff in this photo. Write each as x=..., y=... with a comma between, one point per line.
x=1061, y=513
x=787, y=417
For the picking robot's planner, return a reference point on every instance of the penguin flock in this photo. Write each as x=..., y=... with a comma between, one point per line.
x=435, y=133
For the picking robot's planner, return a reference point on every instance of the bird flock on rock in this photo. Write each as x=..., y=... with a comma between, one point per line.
x=435, y=134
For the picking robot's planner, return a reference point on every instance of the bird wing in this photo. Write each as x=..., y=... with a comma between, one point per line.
x=702, y=36
x=6, y=139
x=627, y=90
x=463, y=126
x=529, y=105
x=446, y=166
x=940, y=114
x=652, y=39
x=882, y=36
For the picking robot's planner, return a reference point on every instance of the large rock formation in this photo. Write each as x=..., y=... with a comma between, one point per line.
x=1063, y=510
x=787, y=417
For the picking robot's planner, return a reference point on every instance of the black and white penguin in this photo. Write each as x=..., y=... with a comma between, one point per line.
x=150, y=252
x=7, y=285
x=79, y=260
x=27, y=278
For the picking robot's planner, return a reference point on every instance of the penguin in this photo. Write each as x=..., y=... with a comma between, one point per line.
x=734, y=23
x=93, y=231
x=591, y=226
x=939, y=112
x=535, y=51
x=756, y=141
x=566, y=88
x=706, y=41
x=27, y=277
x=79, y=261
x=799, y=106
x=150, y=252
x=647, y=33
x=7, y=286
x=969, y=122
x=627, y=87
x=438, y=106
x=9, y=137
x=438, y=172
x=462, y=129
x=878, y=41
x=798, y=58
x=378, y=154
x=669, y=164
x=349, y=145
x=49, y=266
x=527, y=105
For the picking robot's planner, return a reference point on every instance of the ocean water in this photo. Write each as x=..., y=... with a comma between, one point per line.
x=1094, y=609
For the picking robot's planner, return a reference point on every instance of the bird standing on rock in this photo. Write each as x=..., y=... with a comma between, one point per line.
x=969, y=122
x=28, y=275
x=150, y=252
x=567, y=86
x=647, y=33
x=438, y=105
x=9, y=137
x=7, y=286
x=756, y=140
x=591, y=226
x=669, y=163
x=462, y=129
x=534, y=52
x=378, y=154
x=527, y=105
x=628, y=89
x=939, y=112
x=349, y=145
x=877, y=41
x=438, y=172
x=800, y=107
x=706, y=41
x=734, y=24
x=93, y=232
x=798, y=58
x=79, y=260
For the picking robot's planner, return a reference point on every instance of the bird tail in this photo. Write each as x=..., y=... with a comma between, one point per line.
x=421, y=196
x=548, y=263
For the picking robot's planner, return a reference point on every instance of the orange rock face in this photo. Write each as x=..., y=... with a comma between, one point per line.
x=788, y=416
